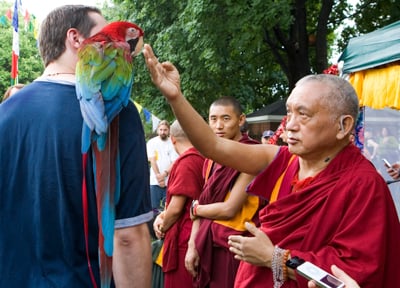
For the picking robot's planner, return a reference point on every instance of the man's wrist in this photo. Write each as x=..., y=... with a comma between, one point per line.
x=193, y=209
x=191, y=245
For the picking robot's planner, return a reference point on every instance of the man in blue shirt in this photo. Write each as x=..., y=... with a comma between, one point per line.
x=42, y=238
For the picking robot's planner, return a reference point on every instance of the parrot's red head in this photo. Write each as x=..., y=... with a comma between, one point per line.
x=126, y=31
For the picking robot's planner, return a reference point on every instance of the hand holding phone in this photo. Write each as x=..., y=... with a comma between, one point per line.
x=321, y=277
x=387, y=164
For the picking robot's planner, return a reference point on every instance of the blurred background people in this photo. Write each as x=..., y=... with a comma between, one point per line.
x=370, y=146
x=266, y=135
x=12, y=90
x=388, y=146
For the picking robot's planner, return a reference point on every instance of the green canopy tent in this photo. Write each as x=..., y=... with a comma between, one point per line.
x=372, y=62
x=374, y=49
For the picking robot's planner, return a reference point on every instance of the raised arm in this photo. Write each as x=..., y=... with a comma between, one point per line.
x=240, y=156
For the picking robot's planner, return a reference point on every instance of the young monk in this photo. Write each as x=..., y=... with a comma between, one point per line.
x=223, y=207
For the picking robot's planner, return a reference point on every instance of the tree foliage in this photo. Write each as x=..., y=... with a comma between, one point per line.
x=215, y=54
x=367, y=16
x=255, y=50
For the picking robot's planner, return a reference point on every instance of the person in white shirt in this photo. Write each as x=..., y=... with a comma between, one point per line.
x=161, y=154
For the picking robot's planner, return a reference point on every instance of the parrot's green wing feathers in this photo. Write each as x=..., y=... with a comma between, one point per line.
x=104, y=82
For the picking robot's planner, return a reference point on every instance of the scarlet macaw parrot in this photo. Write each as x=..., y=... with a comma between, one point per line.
x=104, y=79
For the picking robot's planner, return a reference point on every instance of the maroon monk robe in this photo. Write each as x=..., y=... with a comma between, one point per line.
x=185, y=179
x=219, y=183
x=345, y=216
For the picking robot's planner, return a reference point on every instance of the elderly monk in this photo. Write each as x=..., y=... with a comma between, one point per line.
x=327, y=203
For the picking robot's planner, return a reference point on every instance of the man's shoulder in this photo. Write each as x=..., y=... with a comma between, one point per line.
x=153, y=140
x=191, y=155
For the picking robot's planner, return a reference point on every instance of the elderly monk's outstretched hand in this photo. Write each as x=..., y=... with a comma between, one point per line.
x=164, y=75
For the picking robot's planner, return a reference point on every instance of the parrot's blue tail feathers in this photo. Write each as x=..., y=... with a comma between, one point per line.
x=107, y=223
x=86, y=138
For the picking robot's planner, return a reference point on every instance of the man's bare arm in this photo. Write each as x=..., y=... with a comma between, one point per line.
x=132, y=262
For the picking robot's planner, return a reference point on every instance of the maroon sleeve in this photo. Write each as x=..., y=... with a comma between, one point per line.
x=186, y=176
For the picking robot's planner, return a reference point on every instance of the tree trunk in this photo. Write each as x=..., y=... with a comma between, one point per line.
x=321, y=39
x=291, y=51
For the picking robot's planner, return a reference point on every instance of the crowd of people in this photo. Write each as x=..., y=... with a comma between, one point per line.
x=231, y=212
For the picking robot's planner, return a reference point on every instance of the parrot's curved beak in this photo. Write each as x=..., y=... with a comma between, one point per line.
x=136, y=46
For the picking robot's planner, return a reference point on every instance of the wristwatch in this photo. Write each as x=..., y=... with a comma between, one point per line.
x=294, y=262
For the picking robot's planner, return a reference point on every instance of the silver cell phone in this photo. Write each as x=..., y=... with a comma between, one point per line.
x=387, y=164
x=321, y=277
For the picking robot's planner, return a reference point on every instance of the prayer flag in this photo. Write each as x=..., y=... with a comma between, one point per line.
x=138, y=106
x=147, y=115
x=15, y=46
x=8, y=14
x=3, y=20
x=155, y=122
x=27, y=19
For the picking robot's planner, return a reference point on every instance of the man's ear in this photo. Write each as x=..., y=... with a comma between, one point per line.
x=242, y=119
x=74, y=38
x=173, y=139
x=346, y=124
